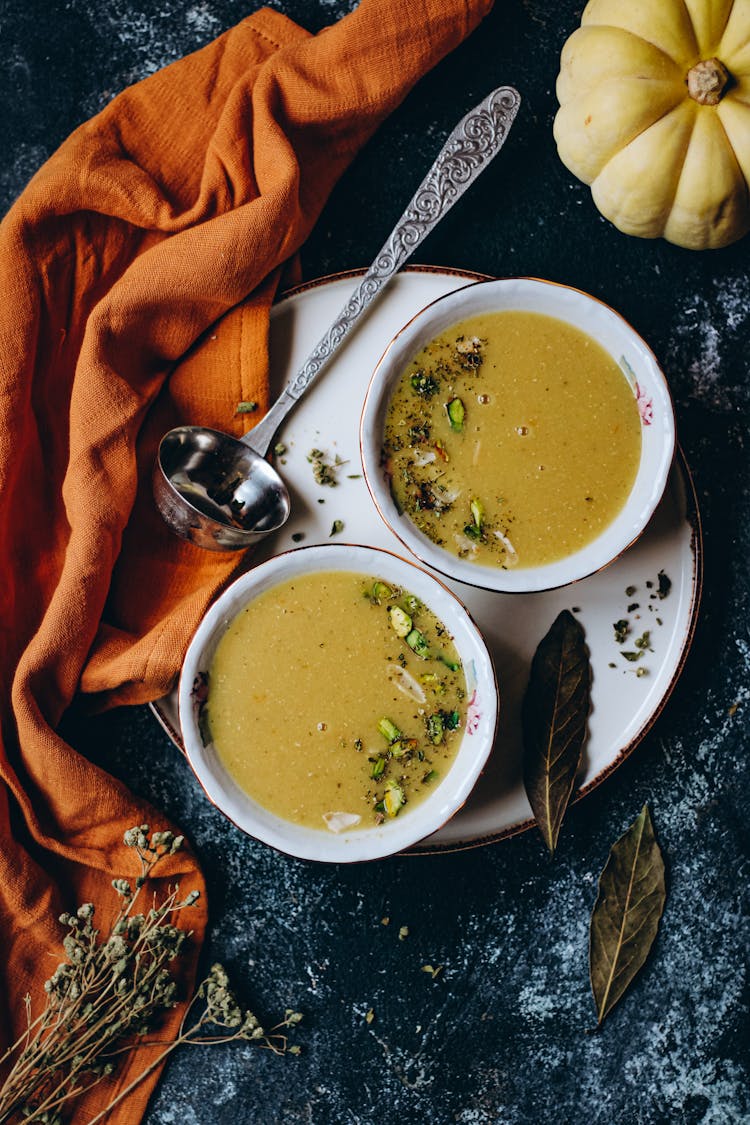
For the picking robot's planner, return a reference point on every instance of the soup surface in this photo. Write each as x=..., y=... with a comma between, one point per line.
x=336, y=700
x=513, y=439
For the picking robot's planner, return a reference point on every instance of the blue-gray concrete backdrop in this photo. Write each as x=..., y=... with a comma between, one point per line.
x=503, y=1034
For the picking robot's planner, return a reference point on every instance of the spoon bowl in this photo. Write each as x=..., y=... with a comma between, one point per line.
x=216, y=491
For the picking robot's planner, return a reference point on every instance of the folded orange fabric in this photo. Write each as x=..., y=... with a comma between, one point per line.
x=167, y=215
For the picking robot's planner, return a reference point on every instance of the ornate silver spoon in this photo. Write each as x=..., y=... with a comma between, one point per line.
x=219, y=491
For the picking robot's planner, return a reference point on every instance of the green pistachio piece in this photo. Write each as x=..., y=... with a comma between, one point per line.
x=393, y=798
x=400, y=621
x=436, y=728
x=389, y=730
x=456, y=414
x=418, y=644
x=380, y=590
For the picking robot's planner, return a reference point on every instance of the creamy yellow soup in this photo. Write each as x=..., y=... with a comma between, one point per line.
x=336, y=700
x=513, y=439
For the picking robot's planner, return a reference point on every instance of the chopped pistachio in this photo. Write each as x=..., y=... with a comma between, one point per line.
x=403, y=747
x=644, y=641
x=456, y=414
x=389, y=730
x=246, y=407
x=418, y=644
x=632, y=656
x=630, y=590
x=279, y=449
x=436, y=728
x=400, y=621
x=393, y=798
x=381, y=590
x=336, y=528
x=433, y=682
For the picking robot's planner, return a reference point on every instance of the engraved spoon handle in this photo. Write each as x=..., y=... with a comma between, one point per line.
x=477, y=138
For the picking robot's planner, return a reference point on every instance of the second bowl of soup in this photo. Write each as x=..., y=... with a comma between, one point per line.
x=517, y=435
x=338, y=703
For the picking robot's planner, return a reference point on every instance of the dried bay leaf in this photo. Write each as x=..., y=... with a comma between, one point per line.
x=626, y=914
x=554, y=715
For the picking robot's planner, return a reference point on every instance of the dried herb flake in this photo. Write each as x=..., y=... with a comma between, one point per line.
x=665, y=584
x=621, y=628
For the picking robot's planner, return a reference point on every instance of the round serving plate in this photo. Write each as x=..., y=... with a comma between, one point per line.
x=625, y=703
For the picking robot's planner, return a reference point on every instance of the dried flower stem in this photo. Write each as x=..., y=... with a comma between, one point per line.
x=109, y=993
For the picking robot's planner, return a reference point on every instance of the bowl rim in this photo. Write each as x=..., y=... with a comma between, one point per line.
x=537, y=579
x=363, y=844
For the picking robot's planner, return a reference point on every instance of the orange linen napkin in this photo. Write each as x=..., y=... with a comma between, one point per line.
x=119, y=266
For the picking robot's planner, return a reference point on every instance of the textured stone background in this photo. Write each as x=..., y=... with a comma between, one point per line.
x=503, y=1035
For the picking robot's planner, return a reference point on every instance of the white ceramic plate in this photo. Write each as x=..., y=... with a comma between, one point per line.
x=624, y=705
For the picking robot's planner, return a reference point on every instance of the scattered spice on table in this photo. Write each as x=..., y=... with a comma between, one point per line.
x=325, y=468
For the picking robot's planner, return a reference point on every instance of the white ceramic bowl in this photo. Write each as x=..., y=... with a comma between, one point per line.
x=615, y=335
x=413, y=824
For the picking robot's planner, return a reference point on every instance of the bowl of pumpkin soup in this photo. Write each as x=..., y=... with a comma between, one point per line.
x=517, y=435
x=338, y=703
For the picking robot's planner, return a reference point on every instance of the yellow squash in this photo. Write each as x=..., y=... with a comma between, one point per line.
x=655, y=116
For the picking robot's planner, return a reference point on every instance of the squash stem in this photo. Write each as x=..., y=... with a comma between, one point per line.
x=707, y=81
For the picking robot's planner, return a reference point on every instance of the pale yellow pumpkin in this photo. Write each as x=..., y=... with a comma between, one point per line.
x=655, y=116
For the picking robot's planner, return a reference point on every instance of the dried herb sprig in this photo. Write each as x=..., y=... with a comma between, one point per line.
x=110, y=991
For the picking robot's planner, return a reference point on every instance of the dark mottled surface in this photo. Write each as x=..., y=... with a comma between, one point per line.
x=502, y=1036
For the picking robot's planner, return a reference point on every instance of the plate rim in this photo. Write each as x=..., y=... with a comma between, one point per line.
x=692, y=517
